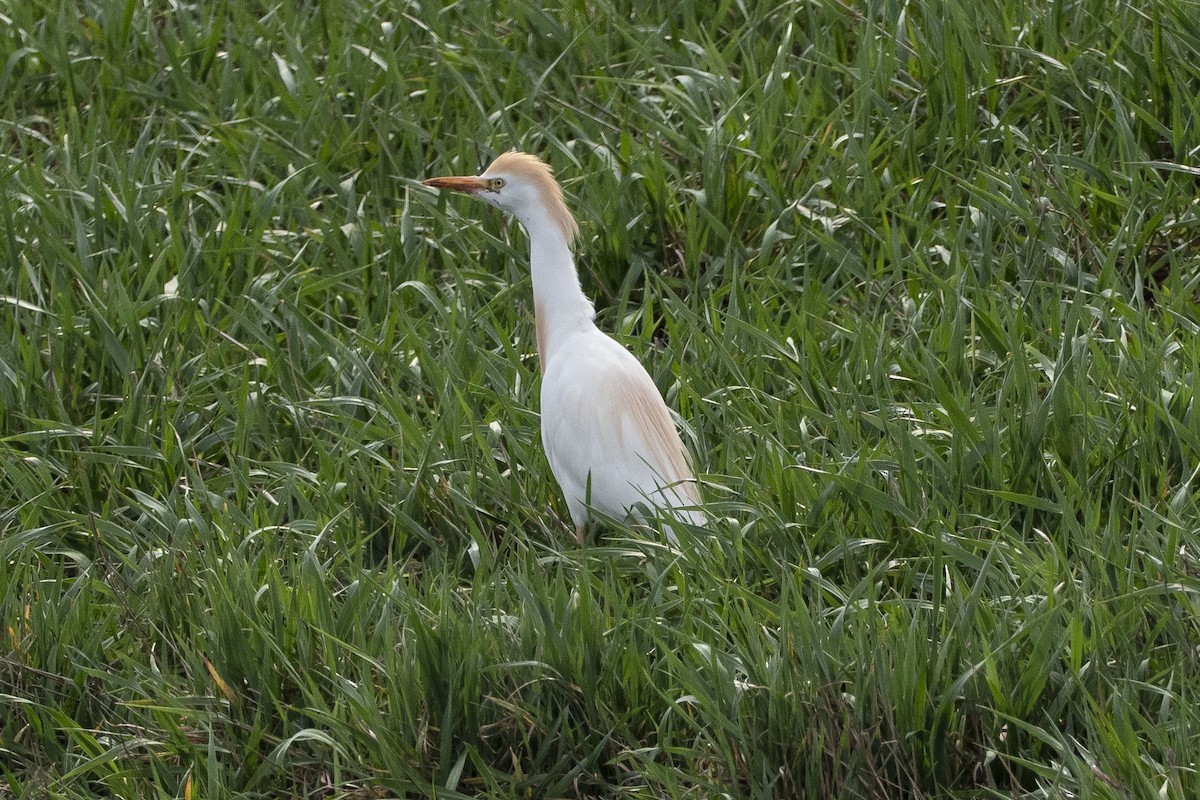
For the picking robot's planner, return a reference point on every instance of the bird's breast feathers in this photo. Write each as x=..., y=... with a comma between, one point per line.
x=605, y=426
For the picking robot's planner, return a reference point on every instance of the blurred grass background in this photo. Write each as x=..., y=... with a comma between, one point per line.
x=920, y=277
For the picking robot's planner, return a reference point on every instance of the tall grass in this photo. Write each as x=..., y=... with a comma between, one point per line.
x=921, y=279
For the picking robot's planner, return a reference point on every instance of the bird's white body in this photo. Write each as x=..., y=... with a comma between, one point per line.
x=609, y=437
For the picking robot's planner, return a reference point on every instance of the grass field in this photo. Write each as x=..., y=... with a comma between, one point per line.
x=922, y=279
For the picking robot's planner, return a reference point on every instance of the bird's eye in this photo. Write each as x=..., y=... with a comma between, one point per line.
x=496, y=184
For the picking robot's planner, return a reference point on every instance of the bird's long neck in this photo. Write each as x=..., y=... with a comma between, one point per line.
x=560, y=305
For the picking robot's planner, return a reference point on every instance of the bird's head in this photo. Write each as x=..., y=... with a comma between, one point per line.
x=520, y=184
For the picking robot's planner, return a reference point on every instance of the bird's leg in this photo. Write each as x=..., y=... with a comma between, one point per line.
x=579, y=531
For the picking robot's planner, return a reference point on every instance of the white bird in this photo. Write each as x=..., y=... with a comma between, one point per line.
x=609, y=438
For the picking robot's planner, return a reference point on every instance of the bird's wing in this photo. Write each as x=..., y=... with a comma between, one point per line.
x=608, y=434
x=649, y=433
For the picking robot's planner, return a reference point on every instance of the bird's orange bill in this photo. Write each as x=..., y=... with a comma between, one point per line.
x=468, y=184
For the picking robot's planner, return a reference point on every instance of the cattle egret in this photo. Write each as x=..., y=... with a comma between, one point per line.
x=609, y=438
